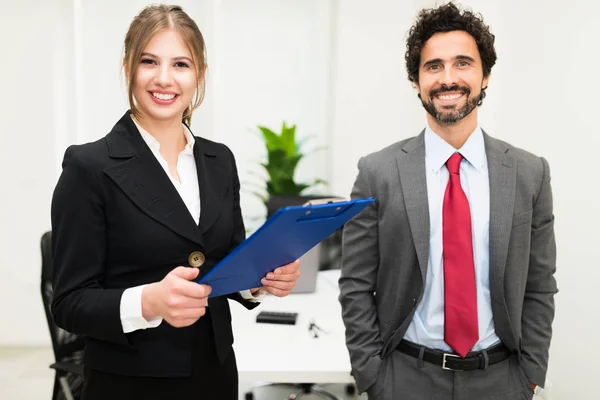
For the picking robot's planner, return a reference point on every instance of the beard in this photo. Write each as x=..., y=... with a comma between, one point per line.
x=453, y=113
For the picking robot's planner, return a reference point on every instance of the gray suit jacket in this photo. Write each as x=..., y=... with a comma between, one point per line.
x=386, y=247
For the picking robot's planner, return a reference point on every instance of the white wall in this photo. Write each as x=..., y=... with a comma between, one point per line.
x=336, y=68
x=546, y=103
x=271, y=63
x=374, y=104
x=26, y=165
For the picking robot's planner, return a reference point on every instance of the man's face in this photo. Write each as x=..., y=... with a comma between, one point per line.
x=450, y=76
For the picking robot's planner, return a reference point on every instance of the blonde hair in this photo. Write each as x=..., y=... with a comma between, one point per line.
x=144, y=26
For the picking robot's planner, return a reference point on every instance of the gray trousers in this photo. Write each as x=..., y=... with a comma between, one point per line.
x=403, y=377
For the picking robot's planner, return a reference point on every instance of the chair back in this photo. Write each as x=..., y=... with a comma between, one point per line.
x=67, y=346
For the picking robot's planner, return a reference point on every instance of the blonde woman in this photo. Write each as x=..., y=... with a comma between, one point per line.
x=138, y=215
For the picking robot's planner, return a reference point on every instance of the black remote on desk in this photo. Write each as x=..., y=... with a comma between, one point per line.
x=273, y=317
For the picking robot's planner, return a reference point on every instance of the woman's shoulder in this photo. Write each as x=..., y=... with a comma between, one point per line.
x=88, y=156
x=96, y=155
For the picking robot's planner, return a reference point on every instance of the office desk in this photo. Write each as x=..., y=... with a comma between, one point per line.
x=289, y=353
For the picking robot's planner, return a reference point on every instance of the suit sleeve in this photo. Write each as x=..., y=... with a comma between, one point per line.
x=239, y=230
x=81, y=304
x=360, y=261
x=538, y=306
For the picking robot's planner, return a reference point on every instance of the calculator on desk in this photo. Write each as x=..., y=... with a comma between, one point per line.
x=277, y=317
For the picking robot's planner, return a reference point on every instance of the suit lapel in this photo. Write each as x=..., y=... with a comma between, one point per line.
x=502, y=174
x=144, y=181
x=214, y=179
x=411, y=167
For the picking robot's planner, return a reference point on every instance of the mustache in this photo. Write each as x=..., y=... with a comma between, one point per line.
x=453, y=88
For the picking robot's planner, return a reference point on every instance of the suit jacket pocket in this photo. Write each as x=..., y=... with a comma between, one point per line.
x=522, y=218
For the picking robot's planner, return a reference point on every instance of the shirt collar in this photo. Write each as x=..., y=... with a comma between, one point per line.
x=438, y=151
x=155, y=145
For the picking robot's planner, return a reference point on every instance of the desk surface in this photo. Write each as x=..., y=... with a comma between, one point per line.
x=290, y=353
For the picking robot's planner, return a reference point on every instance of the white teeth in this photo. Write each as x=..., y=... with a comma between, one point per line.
x=162, y=96
x=452, y=97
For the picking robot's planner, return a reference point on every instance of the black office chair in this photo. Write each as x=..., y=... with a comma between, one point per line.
x=68, y=348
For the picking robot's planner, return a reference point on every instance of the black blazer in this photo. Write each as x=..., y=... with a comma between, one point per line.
x=118, y=222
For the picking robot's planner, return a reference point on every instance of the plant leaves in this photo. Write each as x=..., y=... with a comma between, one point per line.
x=272, y=140
x=288, y=139
x=283, y=156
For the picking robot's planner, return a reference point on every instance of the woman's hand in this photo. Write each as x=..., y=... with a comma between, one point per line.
x=282, y=280
x=177, y=300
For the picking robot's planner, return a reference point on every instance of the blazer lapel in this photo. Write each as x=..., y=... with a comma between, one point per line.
x=411, y=167
x=502, y=175
x=140, y=176
x=214, y=179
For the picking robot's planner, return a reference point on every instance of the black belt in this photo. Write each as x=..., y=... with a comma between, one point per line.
x=454, y=362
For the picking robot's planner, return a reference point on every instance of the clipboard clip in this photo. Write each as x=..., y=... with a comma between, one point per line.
x=328, y=200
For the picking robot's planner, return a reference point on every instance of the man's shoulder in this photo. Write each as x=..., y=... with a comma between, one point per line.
x=524, y=158
x=390, y=152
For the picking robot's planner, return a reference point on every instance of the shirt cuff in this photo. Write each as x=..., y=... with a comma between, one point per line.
x=254, y=298
x=131, y=311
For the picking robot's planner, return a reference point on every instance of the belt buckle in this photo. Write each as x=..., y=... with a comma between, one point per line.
x=444, y=362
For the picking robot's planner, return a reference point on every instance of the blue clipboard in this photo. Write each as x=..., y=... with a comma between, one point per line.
x=282, y=239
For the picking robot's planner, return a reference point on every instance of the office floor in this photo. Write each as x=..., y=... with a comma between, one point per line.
x=24, y=374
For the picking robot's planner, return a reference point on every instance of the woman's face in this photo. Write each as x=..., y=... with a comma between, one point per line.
x=166, y=78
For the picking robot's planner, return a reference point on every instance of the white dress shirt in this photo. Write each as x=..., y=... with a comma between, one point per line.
x=189, y=190
x=427, y=326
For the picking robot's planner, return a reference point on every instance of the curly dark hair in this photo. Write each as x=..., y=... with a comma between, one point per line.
x=445, y=19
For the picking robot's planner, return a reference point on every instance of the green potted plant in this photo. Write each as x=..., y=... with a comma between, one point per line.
x=283, y=155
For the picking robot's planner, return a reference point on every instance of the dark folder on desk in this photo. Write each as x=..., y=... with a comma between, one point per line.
x=282, y=239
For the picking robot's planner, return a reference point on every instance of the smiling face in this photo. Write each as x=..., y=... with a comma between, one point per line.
x=450, y=77
x=166, y=78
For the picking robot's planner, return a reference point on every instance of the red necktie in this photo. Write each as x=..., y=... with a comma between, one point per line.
x=461, y=330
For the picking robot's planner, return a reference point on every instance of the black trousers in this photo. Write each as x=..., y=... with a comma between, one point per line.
x=209, y=380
